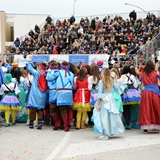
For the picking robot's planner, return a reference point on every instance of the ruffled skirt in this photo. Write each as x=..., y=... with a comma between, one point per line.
x=118, y=101
x=131, y=97
x=107, y=121
x=22, y=115
x=10, y=103
x=82, y=100
x=149, y=111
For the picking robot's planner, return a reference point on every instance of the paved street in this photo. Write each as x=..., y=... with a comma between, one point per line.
x=21, y=143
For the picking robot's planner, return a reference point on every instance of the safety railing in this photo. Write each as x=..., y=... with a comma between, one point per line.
x=146, y=51
x=140, y=14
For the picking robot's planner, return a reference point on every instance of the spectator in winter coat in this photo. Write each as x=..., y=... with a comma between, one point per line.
x=17, y=42
x=37, y=29
x=93, y=24
x=72, y=20
x=31, y=33
x=49, y=20
x=133, y=15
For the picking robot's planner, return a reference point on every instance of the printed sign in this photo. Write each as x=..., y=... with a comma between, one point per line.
x=94, y=58
x=40, y=58
x=59, y=58
x=20, y=60
x=75, y=59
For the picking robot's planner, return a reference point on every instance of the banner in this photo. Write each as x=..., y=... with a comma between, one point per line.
x=40, y=58
x=20, y=60
x=75, y=59
x=60, y=58
x=94, y=58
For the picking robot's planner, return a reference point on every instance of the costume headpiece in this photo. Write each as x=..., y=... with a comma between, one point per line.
x=100, y=63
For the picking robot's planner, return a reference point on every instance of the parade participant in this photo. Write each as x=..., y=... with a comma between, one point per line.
x=21, y=116
x=10, y=102
x=149, y=110
x=88, y=69
x=4, y=65
x=72, y=113
x=135, y=108
x=100, y=65
x=106, y=116
x=64, y=84
x=2, y=78
x=118, y=89
x=37, y=95
x=82, y=85
x=51, y=77
x=95, y=77
x=131, y=95
x=28, y=80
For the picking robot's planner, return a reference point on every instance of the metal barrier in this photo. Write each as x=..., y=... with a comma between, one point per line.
x=148, y=50
x=140, y=14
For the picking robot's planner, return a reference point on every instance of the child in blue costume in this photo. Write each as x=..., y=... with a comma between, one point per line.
x=64, y=86
x=22, y=115
x=106, y=116
x=95, y=77
x=118, y=89
x=5, y=66
x=36, y=98
x=1, y=82
x=51, y=77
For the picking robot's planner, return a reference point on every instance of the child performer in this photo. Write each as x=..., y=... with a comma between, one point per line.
x=37, y=97
x=118, y=89
x=106, y=116
x=95, y=77
x=20, y=82
x=64, y=85
x=83, y=85
x=9, y=102
x=131, y=95
x=51, y=80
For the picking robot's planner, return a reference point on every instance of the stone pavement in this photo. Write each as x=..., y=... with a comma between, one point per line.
x=21, y=143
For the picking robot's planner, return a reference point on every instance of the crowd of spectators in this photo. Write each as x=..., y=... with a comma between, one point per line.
x=98, y=36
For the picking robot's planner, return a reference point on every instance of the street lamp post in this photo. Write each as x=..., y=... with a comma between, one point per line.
x=136, y=7
x=74, y=4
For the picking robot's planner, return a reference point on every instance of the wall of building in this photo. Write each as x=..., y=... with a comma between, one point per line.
x=23, y=23
x=2, y=31
x=16, y=25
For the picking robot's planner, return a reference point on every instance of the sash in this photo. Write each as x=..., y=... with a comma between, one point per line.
x=153, y=88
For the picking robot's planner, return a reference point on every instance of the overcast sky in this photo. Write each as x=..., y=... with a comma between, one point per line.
x=64, y=8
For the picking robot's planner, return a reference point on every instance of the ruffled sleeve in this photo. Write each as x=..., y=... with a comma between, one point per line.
x=89, y=84
x=101, y=93
x=118, y=87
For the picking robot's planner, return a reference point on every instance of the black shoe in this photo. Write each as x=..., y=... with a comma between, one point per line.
x=145, y=131
x=39, y=124
x=31, y=125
